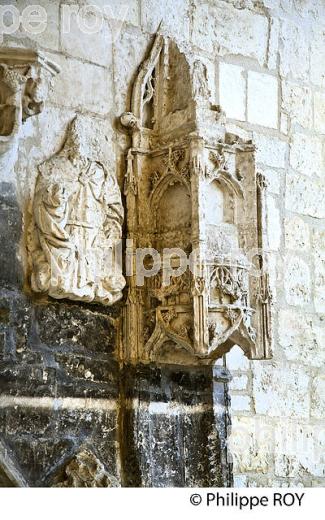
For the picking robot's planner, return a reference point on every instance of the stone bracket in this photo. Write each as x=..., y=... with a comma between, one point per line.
x=25, y=78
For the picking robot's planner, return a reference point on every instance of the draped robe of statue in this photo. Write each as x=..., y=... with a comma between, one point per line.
x=78, y=216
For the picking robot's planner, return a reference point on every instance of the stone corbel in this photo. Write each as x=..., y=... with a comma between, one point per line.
x=25, y=78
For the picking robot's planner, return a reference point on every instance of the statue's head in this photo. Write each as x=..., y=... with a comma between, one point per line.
x=77, y=144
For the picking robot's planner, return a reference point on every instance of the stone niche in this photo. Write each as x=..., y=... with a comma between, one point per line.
x=191, y=185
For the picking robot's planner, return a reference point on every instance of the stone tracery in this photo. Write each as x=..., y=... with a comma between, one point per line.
x=191, y=185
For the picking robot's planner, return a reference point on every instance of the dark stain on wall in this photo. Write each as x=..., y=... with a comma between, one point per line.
x=151, y=426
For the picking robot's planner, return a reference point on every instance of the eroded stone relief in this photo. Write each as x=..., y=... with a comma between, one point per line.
x=85, y=470
x=77, y=226
x=25, y=77
x=191, y=185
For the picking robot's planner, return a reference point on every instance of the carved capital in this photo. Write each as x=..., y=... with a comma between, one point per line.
x=25, y=78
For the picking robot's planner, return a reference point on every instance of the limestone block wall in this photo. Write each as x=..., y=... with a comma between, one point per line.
x=266, y=68
x=277, y=93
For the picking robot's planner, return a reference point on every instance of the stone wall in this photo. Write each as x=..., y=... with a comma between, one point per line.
x=266, y=68
x=277, y=93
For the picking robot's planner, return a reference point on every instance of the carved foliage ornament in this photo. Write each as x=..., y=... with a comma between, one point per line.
x=190, y=185
x=77, y=226
x=85, y=470
x=25, y=77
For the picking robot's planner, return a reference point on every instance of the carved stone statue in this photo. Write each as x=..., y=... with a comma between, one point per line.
x=85, y=470
x=78, y=216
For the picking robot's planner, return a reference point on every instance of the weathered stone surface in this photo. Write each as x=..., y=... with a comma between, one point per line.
x=297, y=281
x=302, y=338
x=69, y=326
x=10, y=229
x=297, y=234
x=319, y=112
x=232, y=31
x=299, y=451
x=251, y=443
x=317, y=66
x=93, y=84
x=273, y=179
x=305, y=195
x=318, y=396
x=238, y=383
x=319, y=263
x=280, y=392
x=38, y=456
x=119, y=12
x=240, y=481
x=25, y=421
x=84, y=470
x=86, y=376
x=272, y=4
x=5, y=481
x=269, y=151
x=168, y=410
x=318, y=238
x=273, y=43
x=40, y=27
x=292, y=63
x=40, y=366
x=2, y=344
x=46, y=345
x=307, y=155
x=284, y=123
x=129, y=49
x=286, y=466
x=312, y=10
x=86, y=35
x=297, y=103
x=236, y=359
x=174, y=15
